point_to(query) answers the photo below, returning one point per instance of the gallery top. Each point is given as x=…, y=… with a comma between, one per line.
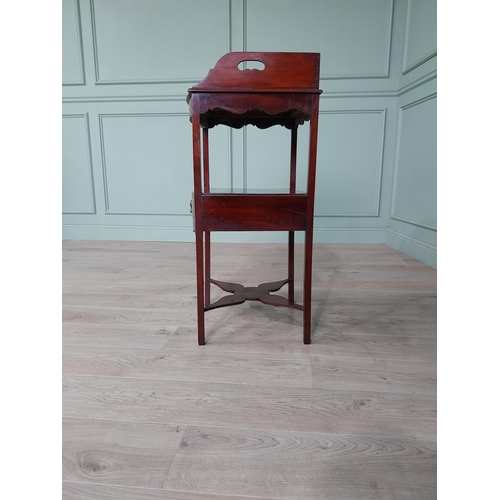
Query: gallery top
x=278, y=94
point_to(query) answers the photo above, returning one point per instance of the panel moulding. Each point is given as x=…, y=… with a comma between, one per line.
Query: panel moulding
x=432, y=75
x=82, y=80
x=376, y=211
x=124, y=98
x=382, y=112
x=345, y=94
x=407, y=68
x=420, y=62
x=359, y=76
x=419, y=101
x=395, y=216
x=414, y=222
x=103, y=159
x=93, y=211
x=146, y=81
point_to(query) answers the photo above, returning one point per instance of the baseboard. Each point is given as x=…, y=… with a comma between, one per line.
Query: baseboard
x=127, y=233
x=414, y=247
x=171, y=233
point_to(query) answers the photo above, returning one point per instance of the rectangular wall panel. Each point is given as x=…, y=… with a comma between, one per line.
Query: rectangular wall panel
x=72, y=53
x=349, y=168
x=267, y=157
x=421, y=33
x=152, y=41
x=415, y=189
x=352, y=36
x=77, y=177
x=147, y=163
x=220, y=150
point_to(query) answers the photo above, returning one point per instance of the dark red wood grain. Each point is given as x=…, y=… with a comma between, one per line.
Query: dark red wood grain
x=284, y=71
x=286, y=93
x=254, y=212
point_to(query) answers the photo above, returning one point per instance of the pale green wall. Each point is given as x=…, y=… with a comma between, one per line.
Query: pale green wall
x=412, y=226
x=127, y=165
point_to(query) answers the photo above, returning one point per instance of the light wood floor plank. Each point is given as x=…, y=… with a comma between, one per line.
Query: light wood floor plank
x=122, y=453
x=303, y=465
x=143, y=337
x=85, y=491
x=257, y=407
x=128, y=316
x=334, y=372
x=281, y=338
x=266, y=317
x=82, y=285
x=196, y=366
x=156, y=301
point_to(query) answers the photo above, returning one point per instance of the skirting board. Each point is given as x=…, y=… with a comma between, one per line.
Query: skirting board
x=418, y=249
x=176, y=233
x=126, y=233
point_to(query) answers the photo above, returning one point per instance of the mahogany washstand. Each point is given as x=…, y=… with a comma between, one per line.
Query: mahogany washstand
x=286, y=92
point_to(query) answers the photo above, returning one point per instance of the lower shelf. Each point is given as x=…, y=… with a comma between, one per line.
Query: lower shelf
x=262, y=293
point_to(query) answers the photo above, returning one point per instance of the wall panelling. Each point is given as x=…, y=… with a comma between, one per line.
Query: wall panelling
x=127, y=65
x=77, y=173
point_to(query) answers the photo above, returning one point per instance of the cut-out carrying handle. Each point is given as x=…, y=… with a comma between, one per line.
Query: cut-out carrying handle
x=282, y=70
x=251, y=65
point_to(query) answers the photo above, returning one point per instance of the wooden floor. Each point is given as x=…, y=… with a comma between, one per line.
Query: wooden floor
x=148, y=414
